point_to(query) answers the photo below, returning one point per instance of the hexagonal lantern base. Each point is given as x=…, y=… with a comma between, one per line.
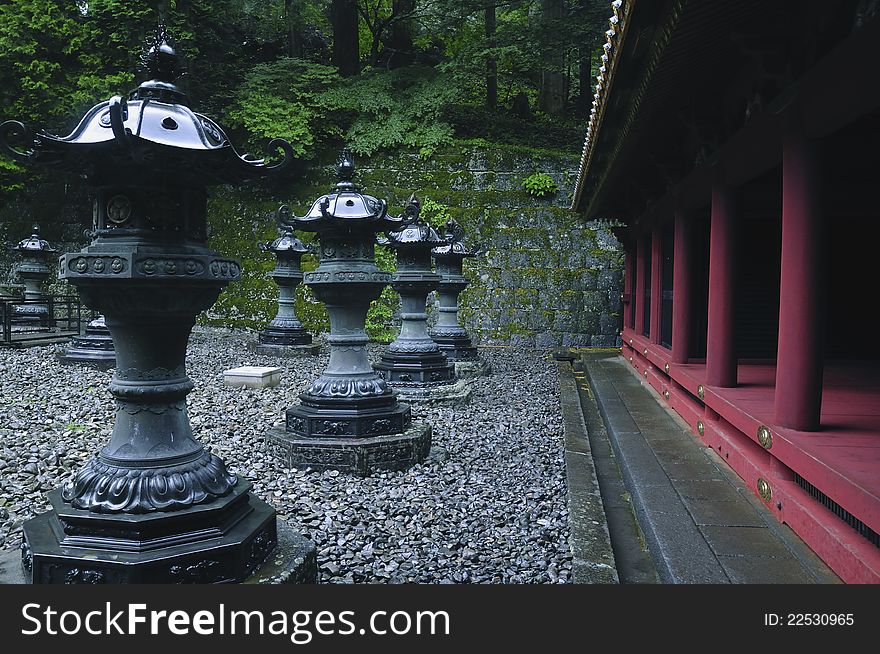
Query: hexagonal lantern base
x=454, y=394
x=294, y=561
x=355, y=455
x=222, y=541
x=274, y=350
x=281, y=336
x=95, y=348
x=469, y=369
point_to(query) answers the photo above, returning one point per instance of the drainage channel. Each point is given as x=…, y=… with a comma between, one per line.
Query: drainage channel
x=634, y=562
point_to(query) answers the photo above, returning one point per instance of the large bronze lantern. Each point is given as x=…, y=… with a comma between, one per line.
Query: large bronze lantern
x=413, y=363
x=154, y=505
x=349, y=419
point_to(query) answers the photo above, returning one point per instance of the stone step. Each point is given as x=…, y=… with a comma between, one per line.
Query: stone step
x=253, y=376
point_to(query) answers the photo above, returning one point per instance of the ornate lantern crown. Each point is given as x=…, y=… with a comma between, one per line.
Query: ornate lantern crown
x=286, y=243
x=345, y=208
x=417, y=232
x=455, y=246
x=34, y=244
x=154, y=131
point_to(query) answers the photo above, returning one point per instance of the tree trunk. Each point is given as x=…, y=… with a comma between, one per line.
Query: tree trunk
x=585, y=80
x=551, y=97
x=294, y=38
x=400, y=39
x=491, y=64
x=346, y=55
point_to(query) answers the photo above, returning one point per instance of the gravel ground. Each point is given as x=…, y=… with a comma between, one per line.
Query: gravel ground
x=493, y=512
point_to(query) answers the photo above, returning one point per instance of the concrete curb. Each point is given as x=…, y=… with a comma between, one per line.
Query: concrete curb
x=593, y=558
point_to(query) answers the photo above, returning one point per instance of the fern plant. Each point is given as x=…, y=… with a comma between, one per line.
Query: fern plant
x=539, y=185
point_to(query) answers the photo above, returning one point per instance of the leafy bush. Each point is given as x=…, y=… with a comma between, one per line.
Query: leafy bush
x=540, y=185
x=435, y=213
x=379, y=325
x=390, y=108
x=285, y=99
x=312, y=107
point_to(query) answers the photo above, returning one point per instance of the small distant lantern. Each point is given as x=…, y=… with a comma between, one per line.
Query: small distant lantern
x=413, y=363
x=285, y=334
x=33, y=270
x=453, y=339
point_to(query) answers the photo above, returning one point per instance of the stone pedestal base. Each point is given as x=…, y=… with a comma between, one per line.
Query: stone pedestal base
x=30, y=315
x=93, y=349
x=294, y=561
x=310, y=349
x=222, y=541
x=472, y=368
x=355, y=455
x=453, y=394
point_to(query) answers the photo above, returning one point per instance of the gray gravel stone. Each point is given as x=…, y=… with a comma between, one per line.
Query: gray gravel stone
x=494, y=511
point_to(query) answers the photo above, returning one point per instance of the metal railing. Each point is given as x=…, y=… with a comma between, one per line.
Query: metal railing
x=32, y=322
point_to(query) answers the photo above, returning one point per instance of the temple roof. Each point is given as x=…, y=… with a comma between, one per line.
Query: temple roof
x=681, y=77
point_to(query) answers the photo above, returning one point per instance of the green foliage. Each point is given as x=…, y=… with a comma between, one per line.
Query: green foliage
x=379, y=318
x=286, y=99
x=539, y=185
x=312, y=107
x=379, y=325
x=436, y=213
x=49, y=71
x=384, y=109
x=493, y=128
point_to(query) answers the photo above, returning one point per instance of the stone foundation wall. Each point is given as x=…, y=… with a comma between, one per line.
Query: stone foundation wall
x=548, y=278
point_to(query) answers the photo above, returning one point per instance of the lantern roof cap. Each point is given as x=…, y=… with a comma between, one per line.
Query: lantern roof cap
x=34, y=243
x=286, y=242
x=344, y=208
x=454, y=243
x=416, y=232
x=153, y=131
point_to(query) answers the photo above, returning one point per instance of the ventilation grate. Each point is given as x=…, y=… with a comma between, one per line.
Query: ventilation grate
x=863, y=529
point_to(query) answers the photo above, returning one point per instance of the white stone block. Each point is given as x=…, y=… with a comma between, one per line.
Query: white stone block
x=253, y=376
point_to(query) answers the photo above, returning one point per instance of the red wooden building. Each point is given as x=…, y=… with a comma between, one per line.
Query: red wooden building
x=739, y=144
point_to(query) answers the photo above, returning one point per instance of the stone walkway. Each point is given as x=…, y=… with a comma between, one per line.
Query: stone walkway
x=674, y=511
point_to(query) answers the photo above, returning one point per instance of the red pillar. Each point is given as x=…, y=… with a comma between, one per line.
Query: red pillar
x=720, y=348
x=629, y=273
x=639, y=297
x=681, y=289
x=656, y=284
x=800, y=355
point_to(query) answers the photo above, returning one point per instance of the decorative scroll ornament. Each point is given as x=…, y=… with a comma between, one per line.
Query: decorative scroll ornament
x=107, y=488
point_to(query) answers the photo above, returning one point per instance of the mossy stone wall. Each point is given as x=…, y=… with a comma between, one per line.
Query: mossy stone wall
x=548, y=278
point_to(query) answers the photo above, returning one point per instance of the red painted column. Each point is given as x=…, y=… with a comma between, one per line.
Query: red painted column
x=681, y=289
x=629, y=273
x=720, y=347
x=656, y=284
x=800, y=356
x=639, y=297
